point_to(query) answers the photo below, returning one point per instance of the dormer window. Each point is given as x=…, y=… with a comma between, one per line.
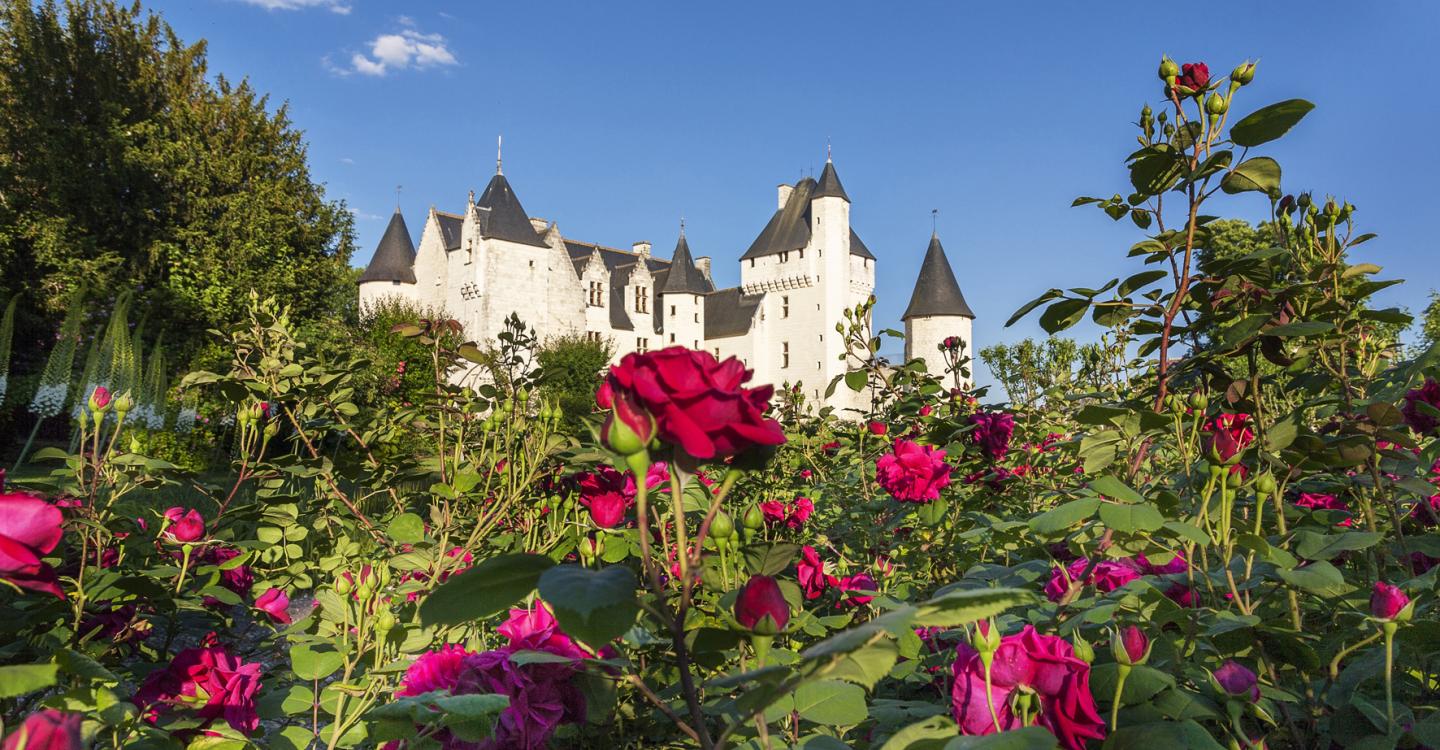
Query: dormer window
x=642, y=299
x=597, y=294
x=785, y=306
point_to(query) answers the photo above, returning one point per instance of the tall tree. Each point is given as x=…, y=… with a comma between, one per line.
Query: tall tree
x=123, y=166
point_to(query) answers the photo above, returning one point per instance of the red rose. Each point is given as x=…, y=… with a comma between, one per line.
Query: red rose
x=1422, y=418
x=761, y=607
x=1194, y=76
x=276, y=604
x=607, y=493
x=697, y=401
x=1387, y=601
x=184, y=525
x=877, y=428
x=913, y=473
x=47, y=729
x=208, y=680
x=1041, y=666
x=1230, y=435
x=29, y=530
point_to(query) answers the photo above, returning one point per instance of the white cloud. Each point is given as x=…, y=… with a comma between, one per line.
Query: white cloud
x=405, y=49
x=346, y=160
x=341, y=7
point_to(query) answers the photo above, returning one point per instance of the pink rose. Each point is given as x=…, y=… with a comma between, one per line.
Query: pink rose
x=698, y=402
x=857, y=585
x=811, y=572
x=30, y=528
x=761, y=607
x=1386, y=601
x=608, y=494
x=184, y=525
x=536, y=629
x=208, y=680
x=435, y=670
x=1105, y=576
x=913, y=473
x=1322, y=501
x=1027, y=663
x=100, y=399
x=276, y=604
x=47, y=729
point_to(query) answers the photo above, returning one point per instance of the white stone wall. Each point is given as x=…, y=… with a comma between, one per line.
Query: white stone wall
x=373, y=292
x=923, y=336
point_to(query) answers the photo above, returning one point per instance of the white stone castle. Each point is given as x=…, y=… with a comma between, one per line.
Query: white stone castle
x=803, y=270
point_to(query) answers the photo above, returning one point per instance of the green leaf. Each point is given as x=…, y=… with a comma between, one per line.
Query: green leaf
x=927, y=734
x=309, y=664
x=1268, y=123
x=1140, y=280
x=1032, y=304
x=1129, y=519
x=769, y=559
x=1260, y=173
x=1300, y=328
x=484, y=590
x=954, y=608
x=855, y=380
x=596, y=606
x=1183, y=735
x=1111, y=487
x=1063, y=516
x=1313, y=546
x=407, y=528
x=831, y=703
x=473, y=706
x=1319, y=578
x=19, y=679
x=1063, y=314
x=1026, y=738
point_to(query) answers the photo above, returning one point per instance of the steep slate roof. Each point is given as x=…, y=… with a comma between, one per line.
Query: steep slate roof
x=789, y=228
x=450, y=225
x=394, y=258
x=502, y=217
x=683, y=277
x=728, y=312
x=936, y=291
x=613, y=258
x=829, y=186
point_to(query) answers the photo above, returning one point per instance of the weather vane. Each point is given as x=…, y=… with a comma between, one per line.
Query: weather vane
x=934, y=221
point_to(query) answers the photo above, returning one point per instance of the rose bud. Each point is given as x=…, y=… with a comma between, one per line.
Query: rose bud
x=1130, y=646
x=1387, y=602
x=877, y=428
x=629, y=428
x=1237, y=682
x=124, y=403
x=1244, y=73
x=1216, y=104
x=1168, y=70
x=1083, y=650
x=48, y=729
x=184, y=525
x=760, y=607
x=100, y=399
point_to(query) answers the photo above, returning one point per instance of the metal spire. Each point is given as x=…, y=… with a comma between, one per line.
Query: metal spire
x=934, y=222
x=499, y=142
x=827, y=149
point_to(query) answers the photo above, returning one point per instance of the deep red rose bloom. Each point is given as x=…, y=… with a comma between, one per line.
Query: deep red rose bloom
x=1027, y=663
x=798, y=512
x=698, y=402
x=1238, y=681
x=1230, y=435
x=913, y=473
x=811, y=572
x=29, y=530
x=877, y=428
x=185, y=525
x=774, y=511
x=1387, y=601
x=1106, y=576
x=1135, y=644
x=1420, y=419
x=1322, y=501
x=608, y=494
x=276, y=604
x=761, y=607
x=831, y=448
x=208, y=680
x=855, y=585
x=1194, y=76
x=992, y=433
x=47, y=729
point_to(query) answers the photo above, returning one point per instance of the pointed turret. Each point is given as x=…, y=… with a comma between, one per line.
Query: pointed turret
x=683, y=276
x=936, y=294
x=829, y=185
x=394, y=259
x=501, y=215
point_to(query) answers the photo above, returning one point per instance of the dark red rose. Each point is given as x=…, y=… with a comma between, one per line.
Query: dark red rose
x=1421, y=419
x=1194, y=76
x=607, y=493
x=1230, y=435
x=698, y=402
x=761, y=607
x=992, y=433
x=1238, y=681
x=184, y=525
x=29, y=530
x=1386, y=601
x=47, y=729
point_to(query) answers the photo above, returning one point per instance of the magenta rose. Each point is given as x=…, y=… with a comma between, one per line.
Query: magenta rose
x=209, y=681
x=1238, y=681
x=30, y=528
x=47, y=729
x=184, y=525
x=992, y=433
x=913, y=473
x=1322, y=501
x=1386, y=601
x=811, y=572
x=774, y=512
x=276, y=604
x=1105, y=576
x=536, y=629
x=1133, y=646
x=1027, y=664
x=607, y=494
x=1421, y=419
x=1230, y=435
x=699, y=403
x=761, y=607
x=857, y=587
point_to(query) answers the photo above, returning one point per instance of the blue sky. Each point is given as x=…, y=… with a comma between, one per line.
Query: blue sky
x=620, y=118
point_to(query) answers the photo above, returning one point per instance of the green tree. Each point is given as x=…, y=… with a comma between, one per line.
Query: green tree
x=1030, y=368
x=123, y=166
x=570, y=368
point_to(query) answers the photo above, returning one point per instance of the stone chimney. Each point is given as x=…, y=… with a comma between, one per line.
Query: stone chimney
x=785, y=191
x=540, y=225
x=641, y=248
x=702, y=263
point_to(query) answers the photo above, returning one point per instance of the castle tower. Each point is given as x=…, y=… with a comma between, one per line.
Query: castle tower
x=391, y=272
x=682, y=299
x=937, y=311
x=830, y=210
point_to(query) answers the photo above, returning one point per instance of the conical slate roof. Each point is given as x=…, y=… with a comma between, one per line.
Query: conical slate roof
x=684, y=276
x=502, y=217
x=829, y=185
x=394, y=258
x=936, y=291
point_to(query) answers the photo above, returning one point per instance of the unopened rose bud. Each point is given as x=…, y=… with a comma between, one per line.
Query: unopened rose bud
x=1244, y=73
x=271, y=430
x=760, y=607
x=343, y=585
x=1331, y=208
x=1216, y=104
x=1168, y=70
x=754, y=518
x=1083, y=650
x=721, y=527
x=123, y=403
x=985, y=638
x=1265, y=484
x=100, y=399
x=385, y=622
x=629, y=428
x=1389, y=602
x=1130, y=646
x=1198, y=401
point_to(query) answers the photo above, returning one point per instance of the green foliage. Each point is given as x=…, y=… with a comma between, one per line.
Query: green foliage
x=570, y=369
x=1029, y=369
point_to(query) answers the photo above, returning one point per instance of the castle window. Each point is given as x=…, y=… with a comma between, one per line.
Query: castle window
x=597, y=294
x=592, y=336
x=672, y=310
x=642, y=299
x=752, y=262
x=672, y=338
x=802, y=253
x=395, y=283
x=697, y=317
x=785, y=354
x=785, y=256
x=785, y=306
x=642, y=344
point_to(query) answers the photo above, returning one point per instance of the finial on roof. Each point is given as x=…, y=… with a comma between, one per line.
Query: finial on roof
x=471, y=199
x=398, y=188
x=827, y=149
x=499, y=142
x=934, y=222
x=682, y=226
